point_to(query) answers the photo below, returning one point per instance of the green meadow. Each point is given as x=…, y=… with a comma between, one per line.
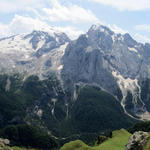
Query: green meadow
x=117, y=142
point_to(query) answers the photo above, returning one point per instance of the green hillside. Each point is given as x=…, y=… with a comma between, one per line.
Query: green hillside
x=117, y=142
x=43, y=104
x=93, y=112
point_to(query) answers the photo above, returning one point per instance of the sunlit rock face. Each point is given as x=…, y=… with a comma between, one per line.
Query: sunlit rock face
x=115, y=62
x=137, y=141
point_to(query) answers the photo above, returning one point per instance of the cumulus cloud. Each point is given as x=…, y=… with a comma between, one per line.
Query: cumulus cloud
x=117, y=29
x=54, y=10
x=72, y=32
x=72, y=12
x=138, y=37
x=21, y=24
x=131, y=5
x=3, y=30
x=9, y=6
x=50, y=11
x=141, y=38
x=143, y=27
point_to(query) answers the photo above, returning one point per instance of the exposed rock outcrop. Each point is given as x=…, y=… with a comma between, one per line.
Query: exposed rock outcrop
x=101, y=57
x=4, y=144
x=137, y=141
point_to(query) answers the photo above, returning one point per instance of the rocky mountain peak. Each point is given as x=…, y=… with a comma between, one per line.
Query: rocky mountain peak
x=99, y=57
x=100, y=28
x=129, y=40
x=46, y=37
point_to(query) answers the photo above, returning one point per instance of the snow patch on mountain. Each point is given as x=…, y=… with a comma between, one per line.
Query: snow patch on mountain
x=35, y=53
x=56, y=56
x=54, y=100
x=40, y=44
x=15, y=44
x=132, y=49
x=113, y=37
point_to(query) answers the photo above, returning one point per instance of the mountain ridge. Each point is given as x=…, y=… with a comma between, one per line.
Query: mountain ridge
x=99, y=56
x=70, y=78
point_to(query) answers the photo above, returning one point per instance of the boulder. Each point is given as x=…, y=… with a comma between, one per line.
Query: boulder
x=137, y=141
x=6, y=141
x=4, y=144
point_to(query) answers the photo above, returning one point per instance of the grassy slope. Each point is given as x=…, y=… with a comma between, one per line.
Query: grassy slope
x=20, y=148
x=76, y=145
x=147, y=147
x=117, y=142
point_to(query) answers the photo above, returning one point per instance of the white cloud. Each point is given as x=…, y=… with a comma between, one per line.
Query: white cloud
x=138, y=37
x=55, y=13
x=9, y=6
x=141, y=38
x=73, y=13
x=117, y=29
x=72, y=32
x=131, y=5
x=3, y=30
x=53, y=9
x=20, y=24
x=143, y=27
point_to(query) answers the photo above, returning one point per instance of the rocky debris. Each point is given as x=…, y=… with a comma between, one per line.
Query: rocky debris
x=4, y=144
x=137, y=141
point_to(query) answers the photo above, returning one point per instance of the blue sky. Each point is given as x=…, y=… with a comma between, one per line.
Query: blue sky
x=75, y=16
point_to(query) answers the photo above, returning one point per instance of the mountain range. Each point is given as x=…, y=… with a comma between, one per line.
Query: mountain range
x=70, y=87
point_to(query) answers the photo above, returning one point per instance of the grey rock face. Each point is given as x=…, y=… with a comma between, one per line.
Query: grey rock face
x=137, y=141
x=4, y=142
x=82, y=63
x=114, y=62
x=95, y=56
x=129, y=40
